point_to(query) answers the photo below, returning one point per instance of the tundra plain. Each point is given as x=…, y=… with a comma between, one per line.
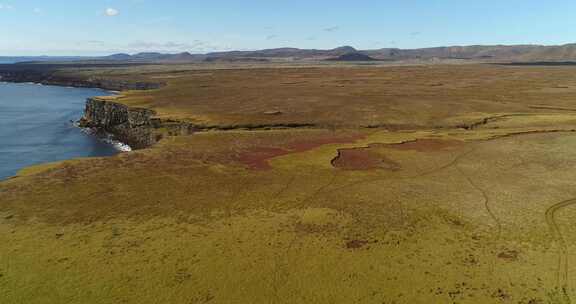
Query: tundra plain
x=328, y=184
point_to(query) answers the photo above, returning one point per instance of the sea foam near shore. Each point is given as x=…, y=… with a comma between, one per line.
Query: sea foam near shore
x=106, y=138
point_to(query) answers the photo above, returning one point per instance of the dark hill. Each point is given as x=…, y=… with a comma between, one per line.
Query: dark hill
x=120, y=56
x=352, y=57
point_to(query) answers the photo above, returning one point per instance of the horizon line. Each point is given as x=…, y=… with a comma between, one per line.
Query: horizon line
x=109, y=53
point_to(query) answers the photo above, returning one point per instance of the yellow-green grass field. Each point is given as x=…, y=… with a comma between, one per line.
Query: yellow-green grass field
x=422, y=212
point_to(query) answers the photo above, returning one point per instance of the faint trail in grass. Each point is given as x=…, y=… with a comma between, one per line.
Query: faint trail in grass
x=487, y=208
x=235, y=201
x=278, y=273
x=285, y=188
x=454, y=162
x=450, y=164
x=562, y=268
x=276, y=197
x=486, y=202
x=318, y=191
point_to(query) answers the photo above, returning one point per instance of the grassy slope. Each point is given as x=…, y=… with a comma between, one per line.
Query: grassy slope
x=194, y=220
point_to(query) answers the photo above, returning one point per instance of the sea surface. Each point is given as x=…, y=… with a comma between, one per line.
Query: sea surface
x=37, y=126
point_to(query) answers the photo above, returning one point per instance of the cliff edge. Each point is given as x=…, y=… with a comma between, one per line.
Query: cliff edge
x=137, y=127
x=133, y=126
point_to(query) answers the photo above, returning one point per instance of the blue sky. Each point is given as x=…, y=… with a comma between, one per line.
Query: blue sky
x=87, y=27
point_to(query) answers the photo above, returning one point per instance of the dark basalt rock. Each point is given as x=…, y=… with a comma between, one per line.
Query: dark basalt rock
x=133, y=126
x=136, y=127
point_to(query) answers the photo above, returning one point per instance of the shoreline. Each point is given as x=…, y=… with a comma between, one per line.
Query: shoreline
x=106, y=137
x=41, y=75
x=98, y=135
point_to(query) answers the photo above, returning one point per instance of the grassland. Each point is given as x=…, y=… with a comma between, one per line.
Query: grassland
x=422, y=184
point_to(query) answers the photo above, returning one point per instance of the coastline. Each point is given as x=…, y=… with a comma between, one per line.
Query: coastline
x=105, y=137
x=98, y=135
x=125, y=128
x=48, y=75
x=38, y=76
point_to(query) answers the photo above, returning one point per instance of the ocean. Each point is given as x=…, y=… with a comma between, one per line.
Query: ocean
x=37, y=126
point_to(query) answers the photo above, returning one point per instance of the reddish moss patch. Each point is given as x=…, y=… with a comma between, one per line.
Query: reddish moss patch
x=427, y=145
x=363, y=159
x=257, y=158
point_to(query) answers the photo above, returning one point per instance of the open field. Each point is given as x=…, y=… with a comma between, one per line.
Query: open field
x=419, y=184
x=352, y=96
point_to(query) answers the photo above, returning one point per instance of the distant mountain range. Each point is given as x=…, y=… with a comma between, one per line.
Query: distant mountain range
x=521, y=53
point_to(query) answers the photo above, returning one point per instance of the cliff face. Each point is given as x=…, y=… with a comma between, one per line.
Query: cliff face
x=133, y=126
x=136, y=127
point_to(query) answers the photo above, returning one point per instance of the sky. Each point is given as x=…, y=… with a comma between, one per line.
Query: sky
x=100, y=27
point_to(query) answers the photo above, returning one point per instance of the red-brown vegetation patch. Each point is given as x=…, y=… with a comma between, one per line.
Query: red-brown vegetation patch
x=356, y=244
x=427, y=145
x=363, y=159
x=256, y=158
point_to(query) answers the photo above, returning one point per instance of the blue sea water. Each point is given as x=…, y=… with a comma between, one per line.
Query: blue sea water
x=36, y=126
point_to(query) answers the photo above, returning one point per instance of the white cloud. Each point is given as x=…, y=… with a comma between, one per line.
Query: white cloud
x=6, y=6
x=37, y=10
x=111, y=12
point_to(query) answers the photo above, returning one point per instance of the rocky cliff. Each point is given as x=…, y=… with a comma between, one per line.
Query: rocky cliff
x=136, y=127
x=133, y=126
